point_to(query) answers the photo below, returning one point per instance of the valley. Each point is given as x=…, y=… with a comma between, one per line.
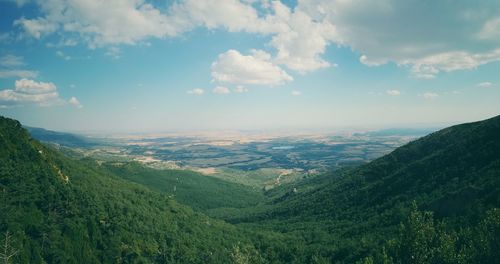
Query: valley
x=252, y=159
x=102, y=197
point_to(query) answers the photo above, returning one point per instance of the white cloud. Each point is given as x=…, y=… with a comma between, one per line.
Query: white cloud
x=113, y=22
x=491, y=29
x=33, y=87
x=36, y=27
x=430, y=96
x=232, y=15
x=221, y=90
x=298, y=39
x=484, y=84
x=296, y=93
x=31, y=92
x=100, y=23
x=428, y=67
x=196, y=91
x=73, y=101
x=11, y=61
x=369, y=62
x=17, y=73
x=240, y=89
x=448, y=37
x=10, y=67
x=234, y=68
x=393, y=92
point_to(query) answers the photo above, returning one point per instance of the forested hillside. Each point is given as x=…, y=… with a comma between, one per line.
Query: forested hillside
x=189, y=187
x=453, y=173
x=57, y=210
x=433, y=200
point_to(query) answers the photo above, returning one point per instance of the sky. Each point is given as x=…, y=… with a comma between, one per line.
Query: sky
x=151, y=66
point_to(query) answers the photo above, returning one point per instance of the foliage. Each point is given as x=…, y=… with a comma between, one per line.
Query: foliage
x=348, y=214
x=423, y=239
x=95, y=216
x=188, y=187
x=433, y=200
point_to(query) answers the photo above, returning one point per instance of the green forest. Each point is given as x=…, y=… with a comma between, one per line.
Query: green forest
x=433, y=200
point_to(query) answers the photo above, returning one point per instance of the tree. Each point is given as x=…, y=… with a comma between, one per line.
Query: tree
x=7, y=252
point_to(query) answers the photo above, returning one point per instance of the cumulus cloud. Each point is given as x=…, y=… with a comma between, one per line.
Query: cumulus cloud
x=430, y=96
x=484, y=84
x=100, y=23
x=221, y=90
x=32, y=92
x=11, y=67
x=298, y=39
x=451, y=36
x=17, y=73
x=38, y=27
x=296, y=93
x=11, y=61
x=73, y=101
x=32, y=87
x=428, y=67
x=196, y=91
x=257, y=68
x=393, y=92
x=232, y=15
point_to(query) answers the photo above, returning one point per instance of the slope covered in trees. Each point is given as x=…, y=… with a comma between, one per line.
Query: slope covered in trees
x=453, y=173
x=190, y=188
x=433, y=200
x=58, y=210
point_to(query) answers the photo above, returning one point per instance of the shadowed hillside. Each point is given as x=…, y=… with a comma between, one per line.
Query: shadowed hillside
x=58, y=210
x=453, y=173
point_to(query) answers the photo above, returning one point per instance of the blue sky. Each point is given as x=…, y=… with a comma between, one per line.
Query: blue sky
x=132, y=66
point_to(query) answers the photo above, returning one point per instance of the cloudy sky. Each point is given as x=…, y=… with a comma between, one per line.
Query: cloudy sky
x=138, y=65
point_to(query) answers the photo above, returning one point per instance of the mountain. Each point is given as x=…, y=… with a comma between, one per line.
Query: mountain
x=453, y=173
x=61, y=138
x=60, y=210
